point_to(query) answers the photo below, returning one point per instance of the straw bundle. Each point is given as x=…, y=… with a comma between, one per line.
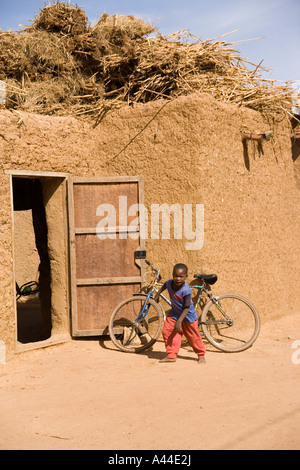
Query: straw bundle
x=62, y=18
x=60, y=65
x=117, y=29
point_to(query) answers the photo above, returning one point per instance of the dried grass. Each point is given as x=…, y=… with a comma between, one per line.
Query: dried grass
x=61, y=18
x=60, y=65
x=117, y=29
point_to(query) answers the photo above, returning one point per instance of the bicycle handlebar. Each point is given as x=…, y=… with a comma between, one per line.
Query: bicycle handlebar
x=158, y=276
x=152, y=267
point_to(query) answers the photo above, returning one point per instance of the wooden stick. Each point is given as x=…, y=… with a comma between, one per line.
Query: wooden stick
x=142, y=130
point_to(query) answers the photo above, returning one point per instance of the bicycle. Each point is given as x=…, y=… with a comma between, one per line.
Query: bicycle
x=26, y=289
x=229, y=322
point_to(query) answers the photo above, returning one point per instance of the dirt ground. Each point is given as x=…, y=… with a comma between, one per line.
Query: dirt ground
x=85, y=394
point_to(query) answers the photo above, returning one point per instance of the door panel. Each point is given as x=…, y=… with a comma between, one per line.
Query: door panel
x=103, y=269
x=95, y=304
x=105, y=258
x=86, y=194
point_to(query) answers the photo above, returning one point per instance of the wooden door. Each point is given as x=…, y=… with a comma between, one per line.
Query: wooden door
x=103, y=269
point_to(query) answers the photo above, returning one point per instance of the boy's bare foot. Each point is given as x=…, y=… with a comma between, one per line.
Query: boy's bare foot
x=167, y=359
x=201, y=360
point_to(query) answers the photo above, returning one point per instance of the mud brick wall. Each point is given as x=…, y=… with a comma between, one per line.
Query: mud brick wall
x=191, y=152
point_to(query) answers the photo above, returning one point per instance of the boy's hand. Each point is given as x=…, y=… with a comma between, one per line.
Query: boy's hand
x=156, y=297
x=177, y=326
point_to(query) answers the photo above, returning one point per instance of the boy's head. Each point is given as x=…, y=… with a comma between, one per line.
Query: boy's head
x=180, y=272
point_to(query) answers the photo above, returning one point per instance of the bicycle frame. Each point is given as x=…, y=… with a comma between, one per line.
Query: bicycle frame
x=201, y=288
x=146, y=305
x=214, y=300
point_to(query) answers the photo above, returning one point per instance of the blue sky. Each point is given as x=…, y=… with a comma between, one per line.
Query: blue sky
x=277, y=21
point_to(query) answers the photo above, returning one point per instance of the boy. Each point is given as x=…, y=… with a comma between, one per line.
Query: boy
x=182, y=319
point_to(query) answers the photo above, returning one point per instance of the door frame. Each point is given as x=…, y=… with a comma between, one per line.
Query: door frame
x=54, y=338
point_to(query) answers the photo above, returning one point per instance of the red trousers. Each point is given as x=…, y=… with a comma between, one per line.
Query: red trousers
x=173, y=339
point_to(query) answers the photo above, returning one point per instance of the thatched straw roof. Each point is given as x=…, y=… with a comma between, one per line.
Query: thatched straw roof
x=61, y=65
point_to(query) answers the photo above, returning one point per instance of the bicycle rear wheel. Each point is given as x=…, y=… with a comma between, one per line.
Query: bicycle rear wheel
x=134, y=326
x=236, y=334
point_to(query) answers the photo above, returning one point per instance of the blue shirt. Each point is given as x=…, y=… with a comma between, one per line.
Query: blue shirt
x=177, y=302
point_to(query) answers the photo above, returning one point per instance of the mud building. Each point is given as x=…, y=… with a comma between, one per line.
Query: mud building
x=195, y=148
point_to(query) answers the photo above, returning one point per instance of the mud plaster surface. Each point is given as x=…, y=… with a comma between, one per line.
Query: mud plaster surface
x=191, y=152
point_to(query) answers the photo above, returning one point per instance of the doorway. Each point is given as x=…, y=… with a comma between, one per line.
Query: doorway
x=40, y=234
x=32, y=262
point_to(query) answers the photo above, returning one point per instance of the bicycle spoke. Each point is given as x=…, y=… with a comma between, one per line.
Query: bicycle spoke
x=134, y=328
x=235, y=334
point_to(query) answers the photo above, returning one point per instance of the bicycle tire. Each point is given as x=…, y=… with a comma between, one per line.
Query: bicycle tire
x=130, y=337
x=231, y=338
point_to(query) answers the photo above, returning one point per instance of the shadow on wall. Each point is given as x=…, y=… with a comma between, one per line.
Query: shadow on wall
x=296, y=139
x=257, y=148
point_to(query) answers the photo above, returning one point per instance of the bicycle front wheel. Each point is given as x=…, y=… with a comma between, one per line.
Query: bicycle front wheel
x=135, y=325
x=230, y=322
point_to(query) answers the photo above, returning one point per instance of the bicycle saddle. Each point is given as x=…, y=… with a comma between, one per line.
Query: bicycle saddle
x=208, y=278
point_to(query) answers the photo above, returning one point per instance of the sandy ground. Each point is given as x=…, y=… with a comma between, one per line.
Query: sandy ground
x=87, y=395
